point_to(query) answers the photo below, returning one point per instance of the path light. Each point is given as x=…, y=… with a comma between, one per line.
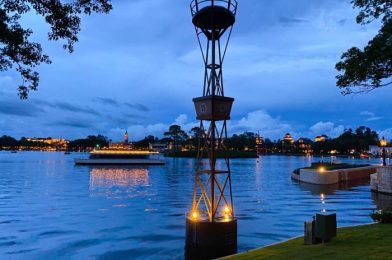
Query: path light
x=321, y=169
x=194, y=215
x=383, y=144
x=214, y=233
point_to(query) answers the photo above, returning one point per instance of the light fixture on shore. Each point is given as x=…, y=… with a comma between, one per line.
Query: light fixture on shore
x=321, y=169
x=194, y=215
x=383, y=144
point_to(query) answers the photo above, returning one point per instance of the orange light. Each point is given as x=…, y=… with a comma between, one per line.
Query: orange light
x=227, y=218
x=227, y=210
x=383, y=142
x=194, y=215
x=130, y=152
x=321, y=169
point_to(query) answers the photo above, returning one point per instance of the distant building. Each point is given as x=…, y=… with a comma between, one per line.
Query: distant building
x=305, y=145
x=259, y=144
x=288, y=144
x=122, y=145
x=288, y=138
x=377, y=150
x=52, y=143
x=320, y=138
x=159, y=147
x=126, y=137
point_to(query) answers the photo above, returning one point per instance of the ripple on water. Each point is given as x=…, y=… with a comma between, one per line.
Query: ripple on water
x=139, y=212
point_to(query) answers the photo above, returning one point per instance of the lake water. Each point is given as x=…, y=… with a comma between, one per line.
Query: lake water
x=50, y=208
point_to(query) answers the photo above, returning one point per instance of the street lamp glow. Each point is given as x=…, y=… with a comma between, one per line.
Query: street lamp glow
x=383, y=142
x=321, y=169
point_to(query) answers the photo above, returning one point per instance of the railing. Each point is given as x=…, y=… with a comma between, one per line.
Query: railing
x=231, y=5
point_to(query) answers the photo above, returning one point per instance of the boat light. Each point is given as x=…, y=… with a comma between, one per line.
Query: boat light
x=321, y=169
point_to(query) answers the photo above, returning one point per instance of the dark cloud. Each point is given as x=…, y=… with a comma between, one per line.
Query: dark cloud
x=70, y=107
x=138, y=106
x=72, y=122
x=107, y=101
x=342, y=22
x=17, y=107
x=288, y=20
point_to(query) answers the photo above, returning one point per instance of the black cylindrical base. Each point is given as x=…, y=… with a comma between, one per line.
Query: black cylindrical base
x=208, y=240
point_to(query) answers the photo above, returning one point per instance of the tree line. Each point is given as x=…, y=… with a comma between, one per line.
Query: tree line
x=350, y=141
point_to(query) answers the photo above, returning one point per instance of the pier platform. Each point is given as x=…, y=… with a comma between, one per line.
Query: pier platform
x=381, y=181
x=327, y=177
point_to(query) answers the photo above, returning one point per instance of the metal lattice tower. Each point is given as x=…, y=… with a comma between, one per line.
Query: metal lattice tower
x=212, y=197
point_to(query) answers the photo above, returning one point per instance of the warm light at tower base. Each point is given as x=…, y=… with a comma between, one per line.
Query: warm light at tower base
x=194, y=215
x=227, y=210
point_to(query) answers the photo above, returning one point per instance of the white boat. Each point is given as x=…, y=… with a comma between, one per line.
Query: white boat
x=121, y=157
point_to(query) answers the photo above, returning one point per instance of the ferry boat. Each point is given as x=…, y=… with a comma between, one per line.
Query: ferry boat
x=112, y=156
x=121, y=154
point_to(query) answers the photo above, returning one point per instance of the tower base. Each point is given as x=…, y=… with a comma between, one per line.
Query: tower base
x=208, y=240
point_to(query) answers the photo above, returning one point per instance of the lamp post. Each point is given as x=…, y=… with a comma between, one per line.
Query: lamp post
x=383, y=143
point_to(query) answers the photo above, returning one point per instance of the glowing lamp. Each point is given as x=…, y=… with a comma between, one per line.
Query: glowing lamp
x=227, y=210
x=383, y=142
x=194, y=215
x=321, y=169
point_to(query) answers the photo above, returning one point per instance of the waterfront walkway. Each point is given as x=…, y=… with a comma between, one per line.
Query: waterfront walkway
x=362, y=242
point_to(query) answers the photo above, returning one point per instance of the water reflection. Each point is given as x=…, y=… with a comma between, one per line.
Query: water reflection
x=114, y=180
x=317, y=190
x=382, y=201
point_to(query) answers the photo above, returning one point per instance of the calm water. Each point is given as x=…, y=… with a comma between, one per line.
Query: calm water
x=51, y=208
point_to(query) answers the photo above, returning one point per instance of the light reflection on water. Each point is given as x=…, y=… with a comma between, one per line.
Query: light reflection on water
x=51, y=208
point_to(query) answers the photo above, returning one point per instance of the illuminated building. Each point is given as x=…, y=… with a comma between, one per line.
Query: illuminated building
x=126, y=138
x=121, y=145
x=305, y=145
x=259, y=143
x=48, y=144
x=321, y=138
x=288, y=138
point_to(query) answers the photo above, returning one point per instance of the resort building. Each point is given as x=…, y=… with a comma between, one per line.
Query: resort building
x=49, y=143
x=320, y=138
x=288, y=144
x=121, y=145
x=377, y=150
x=305, y=145
x=288, y=138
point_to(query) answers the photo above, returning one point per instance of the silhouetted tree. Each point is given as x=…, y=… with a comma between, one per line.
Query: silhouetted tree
x=144, y=143
x=16, y=49
x=88, y=143
x=177, y=135
x=8, y=141
x=370, y=68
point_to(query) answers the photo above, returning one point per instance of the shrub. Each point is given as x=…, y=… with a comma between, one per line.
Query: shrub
x=382, y=216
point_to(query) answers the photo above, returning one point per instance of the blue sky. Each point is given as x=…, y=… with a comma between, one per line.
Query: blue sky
x=139, y=67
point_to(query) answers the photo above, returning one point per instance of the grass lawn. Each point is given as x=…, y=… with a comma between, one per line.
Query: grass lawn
x=363, y=242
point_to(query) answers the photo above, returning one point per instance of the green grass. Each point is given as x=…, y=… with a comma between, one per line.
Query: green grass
x=362, y=242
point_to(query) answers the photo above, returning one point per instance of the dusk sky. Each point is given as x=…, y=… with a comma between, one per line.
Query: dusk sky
x=139, y=67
